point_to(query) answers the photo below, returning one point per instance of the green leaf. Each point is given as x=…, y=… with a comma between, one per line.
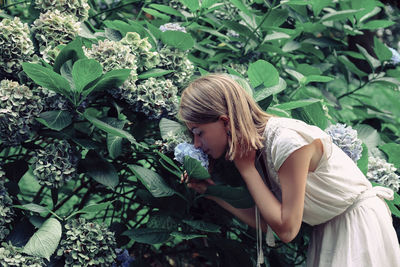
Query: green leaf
x=167, y=9
x=154, y=73
x=318, y=5
x=55, y=119
x=194, y=168
x=239, y=197
x=186, y=236
x=340, y=15
x=107, y=127
x=257, y=74
x=152, y=181
x=373, y=62
x=47, y=78
x=114, y=145
x=100, y=170
x=368, y=135
x=193, y=5
x=92, y=208
x=265, y=92
x=124, y=27
x=32, y=207
x=44, y=242
x=85, y=71
x=203, y=226
x=156, y=14
x=113, y=34
x=381, y=50
x=362, y=163
x=392, y=150
x=296, y=104
x=72, y=51
x=317, y=78
x=178, y=39
x=377, y=24
x=148, y=235
x=351, y=66
x=111, y=79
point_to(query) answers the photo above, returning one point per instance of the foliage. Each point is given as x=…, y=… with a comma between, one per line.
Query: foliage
x=88, y=123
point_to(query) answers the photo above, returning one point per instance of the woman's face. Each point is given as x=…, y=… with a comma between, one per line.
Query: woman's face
x=211, y=137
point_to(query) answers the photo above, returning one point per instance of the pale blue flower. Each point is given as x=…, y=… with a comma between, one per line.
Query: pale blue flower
x=172, y=27
x=186, y=149
x=123, y=258
x=346, y=138
x=395, y=56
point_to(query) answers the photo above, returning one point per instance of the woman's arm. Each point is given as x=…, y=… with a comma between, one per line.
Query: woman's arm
x=284, y=218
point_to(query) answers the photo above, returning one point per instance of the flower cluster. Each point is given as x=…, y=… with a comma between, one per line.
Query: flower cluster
x=13, y=256
x=78, y=8
x=171, y=140
x=52, y=100
x=382, y=172
x=395, y=56
x=18, y=110
x=141, y=48
x=172, y=27
x=346, y=138
x=54, y=165
x=15, y=45
x=155, y=97
x=6, y=211
x=176, y=60
x=185, y=149
x=123, y=258
x=52, y=29
x=227, y=11
x=87, y=244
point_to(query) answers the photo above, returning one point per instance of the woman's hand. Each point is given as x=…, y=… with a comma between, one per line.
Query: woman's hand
x=200, y=186
x=244, y=162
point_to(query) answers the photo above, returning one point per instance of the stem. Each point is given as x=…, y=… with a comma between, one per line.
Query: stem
x=353, y=91
x=112, y=9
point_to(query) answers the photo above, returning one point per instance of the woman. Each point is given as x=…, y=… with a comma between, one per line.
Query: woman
x=310, y=179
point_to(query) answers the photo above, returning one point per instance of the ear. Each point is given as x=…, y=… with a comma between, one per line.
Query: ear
x=225, y=120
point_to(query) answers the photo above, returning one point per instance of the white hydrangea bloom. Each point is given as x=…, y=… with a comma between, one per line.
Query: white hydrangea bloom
x=172, y=27
x=382, y=172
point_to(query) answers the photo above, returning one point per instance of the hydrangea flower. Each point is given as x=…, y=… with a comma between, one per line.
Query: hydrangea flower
x=176, y=60
x=15, y=45
x=155, y=97
x=346, y=138
x=54, y=165
x=123, y=258
x=87, y=244
x=18, y=110
x=172, y=27
x=395, y=56
x=77, y=8
x=186, y=149
x=52, y=29
x=382, y=172
x=6, y=212
x=13, y=256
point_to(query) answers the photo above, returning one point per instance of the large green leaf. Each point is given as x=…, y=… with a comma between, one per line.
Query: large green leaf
x=152, y=181
x=258, y=74
x=107, y=127
x=377, y=24
x=148, y=235
x=47, y=78
x=264, y=92
x=55, y=119
x=194, y=168
x=203, y=226
x=44, y=242
x=85, y=71
x=381, y=50
x=296, y=104
x=239, y=197
x=372, y=61
x=186, y=236
x=392, y=150
x=124, y=27
x=167, y=9
x=73, y=51
x=362, y=163
x=32, y=207
x=100, y=170
x=178, y=39
x=92, y=208
x=193, y=5
x=156, y=14
x=114, y=142
x=112, y=79
x=350, y=65
x=368, y=135
x=339, y=15
x=154, y=73
x=169, y=127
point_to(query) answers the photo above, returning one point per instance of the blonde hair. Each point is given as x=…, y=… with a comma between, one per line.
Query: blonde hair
x=213, y=95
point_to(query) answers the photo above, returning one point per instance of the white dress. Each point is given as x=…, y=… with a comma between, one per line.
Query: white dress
x=352, y=223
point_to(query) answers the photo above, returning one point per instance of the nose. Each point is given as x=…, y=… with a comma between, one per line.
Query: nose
x=196, y=142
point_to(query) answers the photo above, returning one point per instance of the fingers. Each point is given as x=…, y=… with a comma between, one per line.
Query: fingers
x=184, y=177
